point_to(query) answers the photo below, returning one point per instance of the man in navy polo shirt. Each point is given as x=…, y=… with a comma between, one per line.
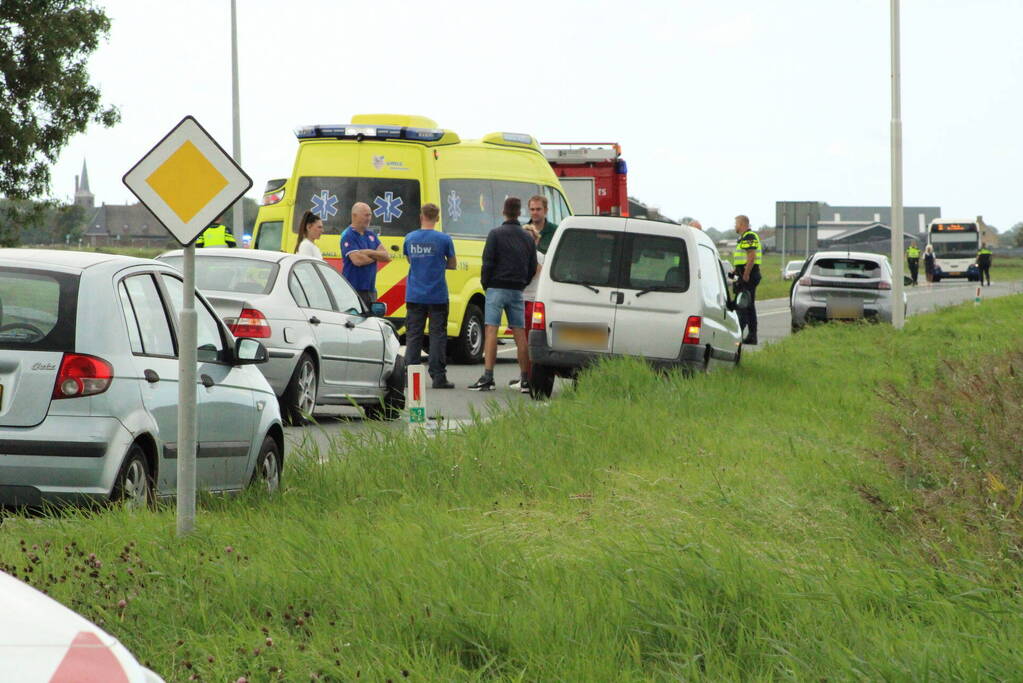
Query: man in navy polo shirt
x=362, y=250
x=429, y=254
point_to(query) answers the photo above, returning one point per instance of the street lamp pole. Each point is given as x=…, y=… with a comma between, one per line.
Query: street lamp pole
x=239, y=206
x=898, y=314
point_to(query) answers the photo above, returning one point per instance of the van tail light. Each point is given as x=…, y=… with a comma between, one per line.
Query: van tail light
x=884, y=284
x=805, y=281
x=693, y=326
x=539, y=318
x=82, y=375
x=249, y=323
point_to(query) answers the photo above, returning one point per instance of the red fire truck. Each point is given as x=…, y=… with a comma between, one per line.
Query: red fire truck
x=593, y=175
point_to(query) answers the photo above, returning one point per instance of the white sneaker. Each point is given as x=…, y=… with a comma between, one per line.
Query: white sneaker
x=515, y=382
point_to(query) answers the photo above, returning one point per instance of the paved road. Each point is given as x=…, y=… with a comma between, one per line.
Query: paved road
x=455, y=406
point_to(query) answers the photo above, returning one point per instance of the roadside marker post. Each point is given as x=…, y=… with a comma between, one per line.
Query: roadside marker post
x=415, y=397
x=186, y=180
x=976, y=299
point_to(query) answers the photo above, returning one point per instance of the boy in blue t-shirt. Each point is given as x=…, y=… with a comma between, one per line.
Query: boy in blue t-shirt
x=429, y=254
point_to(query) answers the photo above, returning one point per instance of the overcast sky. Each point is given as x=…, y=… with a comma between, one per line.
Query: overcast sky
x=721, y=107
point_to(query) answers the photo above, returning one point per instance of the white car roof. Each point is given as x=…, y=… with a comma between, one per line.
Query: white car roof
x=38, y=634
x=63, y=258
x=254, y=254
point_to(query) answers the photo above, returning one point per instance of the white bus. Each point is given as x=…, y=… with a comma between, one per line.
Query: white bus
x=955, y=244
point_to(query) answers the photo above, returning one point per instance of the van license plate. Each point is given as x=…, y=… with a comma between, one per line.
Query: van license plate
x=582, y=337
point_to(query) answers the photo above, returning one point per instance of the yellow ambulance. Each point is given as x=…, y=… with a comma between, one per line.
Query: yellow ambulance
x=396, y=163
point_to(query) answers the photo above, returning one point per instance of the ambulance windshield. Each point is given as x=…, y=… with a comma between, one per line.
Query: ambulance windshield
x=394, y=202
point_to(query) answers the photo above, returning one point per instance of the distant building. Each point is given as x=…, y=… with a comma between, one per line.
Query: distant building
x=875, y=238
x=125, y=224
x=820, y=223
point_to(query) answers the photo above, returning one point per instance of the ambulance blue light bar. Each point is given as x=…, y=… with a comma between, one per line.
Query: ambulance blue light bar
x=362, y=132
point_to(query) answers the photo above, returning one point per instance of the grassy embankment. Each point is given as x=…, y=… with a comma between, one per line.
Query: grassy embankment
x=777, y=521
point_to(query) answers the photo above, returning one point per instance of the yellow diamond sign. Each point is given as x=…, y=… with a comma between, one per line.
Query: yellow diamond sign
x=187, y=180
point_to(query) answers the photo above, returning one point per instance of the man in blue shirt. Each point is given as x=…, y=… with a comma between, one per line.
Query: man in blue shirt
x=361, y=250
x=429, y=254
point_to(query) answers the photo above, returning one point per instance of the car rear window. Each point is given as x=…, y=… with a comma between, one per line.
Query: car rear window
x=846, y=268
x=37, y=309
x=586, y=257
x=226, y=274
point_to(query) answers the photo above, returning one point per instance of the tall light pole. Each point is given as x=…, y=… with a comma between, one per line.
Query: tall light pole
x=239, y=206
x=898, y=314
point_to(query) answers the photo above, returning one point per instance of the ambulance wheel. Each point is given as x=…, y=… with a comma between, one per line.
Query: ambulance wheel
x=468, y=346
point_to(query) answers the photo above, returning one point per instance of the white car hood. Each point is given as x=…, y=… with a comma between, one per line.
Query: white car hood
x=43, y=641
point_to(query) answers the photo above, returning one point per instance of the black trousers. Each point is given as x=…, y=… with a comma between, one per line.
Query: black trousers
x=985, y=272
x=914, y=268
x=748, y=316
x=415, y=324
x=368, y=296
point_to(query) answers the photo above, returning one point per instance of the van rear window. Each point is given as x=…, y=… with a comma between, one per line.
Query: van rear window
x=37, y=310
x=586, y=257
x=394, y=202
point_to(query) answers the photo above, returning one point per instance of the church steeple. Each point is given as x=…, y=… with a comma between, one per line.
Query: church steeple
x=83, y=197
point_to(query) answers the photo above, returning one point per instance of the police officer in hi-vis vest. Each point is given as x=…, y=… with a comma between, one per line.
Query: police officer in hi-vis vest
x=746, y=261
x=216, y=234
x=913, y=258
x=984, y=263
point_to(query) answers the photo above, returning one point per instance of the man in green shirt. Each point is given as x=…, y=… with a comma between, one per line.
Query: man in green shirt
x=538, y=219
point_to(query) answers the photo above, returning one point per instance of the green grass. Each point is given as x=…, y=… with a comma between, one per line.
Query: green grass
x=739, y=525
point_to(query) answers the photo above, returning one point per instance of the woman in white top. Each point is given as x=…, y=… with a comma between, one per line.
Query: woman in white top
x=310, y=227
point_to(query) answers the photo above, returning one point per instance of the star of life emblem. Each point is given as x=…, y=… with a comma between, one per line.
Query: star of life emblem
x=454, y=206
x=388, y=207
x=324, y=205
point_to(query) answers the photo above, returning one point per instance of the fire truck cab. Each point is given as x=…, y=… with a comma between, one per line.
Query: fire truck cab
x=593, y=175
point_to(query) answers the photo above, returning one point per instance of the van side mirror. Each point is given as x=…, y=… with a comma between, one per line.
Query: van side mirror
x=249, y=352
x=907, y=280
x=378, y=309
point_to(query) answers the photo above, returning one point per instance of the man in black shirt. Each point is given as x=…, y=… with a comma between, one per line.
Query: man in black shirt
x=509, y=263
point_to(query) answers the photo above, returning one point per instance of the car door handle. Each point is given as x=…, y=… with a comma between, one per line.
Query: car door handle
x=151, y=376
x=349, y=324
x=206, y=380
x=314, y=320
x=617, y=297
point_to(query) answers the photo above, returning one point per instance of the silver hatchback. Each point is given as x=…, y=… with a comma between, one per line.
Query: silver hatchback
x=325, y=347
x=89, y=384
x=843, y=285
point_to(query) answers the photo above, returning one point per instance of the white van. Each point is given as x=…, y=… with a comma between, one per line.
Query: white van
x=614, y=286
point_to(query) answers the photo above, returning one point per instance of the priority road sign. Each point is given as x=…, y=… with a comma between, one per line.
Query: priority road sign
x=187, y=180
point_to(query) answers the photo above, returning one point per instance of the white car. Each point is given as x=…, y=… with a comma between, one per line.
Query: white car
x=614, y=286
x=42, y=641
x=791, y=269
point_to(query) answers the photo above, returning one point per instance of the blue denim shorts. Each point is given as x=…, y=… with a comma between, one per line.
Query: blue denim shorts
x=507, y=301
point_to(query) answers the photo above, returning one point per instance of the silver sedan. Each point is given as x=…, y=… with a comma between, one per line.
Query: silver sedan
x=325, y=347
x=89, y=384
x=843, y=285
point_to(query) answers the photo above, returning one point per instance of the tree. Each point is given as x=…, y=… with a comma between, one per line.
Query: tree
x=1016, y=235
x=44, y=87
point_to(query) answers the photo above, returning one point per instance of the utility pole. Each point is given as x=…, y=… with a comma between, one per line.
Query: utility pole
x=807, y=232
x=898, y=314
x=783, y=216
x=239, y=207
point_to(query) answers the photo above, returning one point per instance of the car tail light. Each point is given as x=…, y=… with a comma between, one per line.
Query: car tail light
x=693, y=326
x=249, y=323
x=539, y=319
x=82, y=375
x=884, y=284
x=805, y=281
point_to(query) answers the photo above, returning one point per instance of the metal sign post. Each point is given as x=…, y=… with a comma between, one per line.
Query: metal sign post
x=186, y=181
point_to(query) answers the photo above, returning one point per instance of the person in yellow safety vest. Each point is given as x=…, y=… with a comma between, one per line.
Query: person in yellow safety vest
x=746, y=261
x=913, y=258
x=216, y=234
x=984, y=263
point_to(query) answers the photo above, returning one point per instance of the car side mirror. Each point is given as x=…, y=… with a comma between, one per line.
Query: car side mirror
x=907, y=280
x=378, y=309
x=249, y=352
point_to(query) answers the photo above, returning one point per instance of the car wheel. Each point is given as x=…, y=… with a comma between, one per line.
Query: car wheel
x=468, y=347
x=134, y=485
x=393, y=401
x=269, y=464
x=299, y=397
x=541, y=381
